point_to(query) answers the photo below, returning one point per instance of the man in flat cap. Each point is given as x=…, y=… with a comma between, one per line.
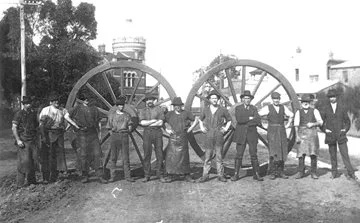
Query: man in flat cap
x=336, y=125
x=212, y=120
x=248, y=119
x=119, y=125
x=178, y=123
x=152, y=119
x=24, y=128
x=306, y=121
x=276, y=135
x=52, y=128
x=85, y=117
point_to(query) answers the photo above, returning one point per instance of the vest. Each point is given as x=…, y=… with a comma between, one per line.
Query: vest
x=274, y=117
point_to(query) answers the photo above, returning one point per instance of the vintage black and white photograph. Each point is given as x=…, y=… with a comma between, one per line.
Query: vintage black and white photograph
x=155, y=111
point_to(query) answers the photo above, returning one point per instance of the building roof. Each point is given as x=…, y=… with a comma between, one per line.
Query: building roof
x=314, y=87
x=346, y=64
x=332, y=62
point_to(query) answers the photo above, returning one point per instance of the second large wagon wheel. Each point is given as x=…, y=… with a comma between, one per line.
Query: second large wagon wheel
x=230, y=79
x=106, y=82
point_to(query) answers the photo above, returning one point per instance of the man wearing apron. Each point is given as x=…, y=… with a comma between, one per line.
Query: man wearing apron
x=306, y=121
x=177, y=161
x=276, y=135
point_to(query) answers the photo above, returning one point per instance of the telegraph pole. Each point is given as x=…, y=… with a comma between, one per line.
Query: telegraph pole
x=22, y=39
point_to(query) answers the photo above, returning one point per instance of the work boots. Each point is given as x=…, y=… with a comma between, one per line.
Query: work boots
x=314, y=167
x=255, y=165
x=280, y=168
x=301, y=168
x=271, y=171
x=237, y=170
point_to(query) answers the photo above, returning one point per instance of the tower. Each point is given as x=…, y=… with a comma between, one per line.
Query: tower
x=131, y=44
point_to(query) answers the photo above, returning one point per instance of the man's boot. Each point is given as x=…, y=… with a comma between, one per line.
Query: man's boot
x=255, y=165
x=314, y=167
x=301, y=168
x=46, y=177
x=281, y=166
x=271, y=173
x=237, y=170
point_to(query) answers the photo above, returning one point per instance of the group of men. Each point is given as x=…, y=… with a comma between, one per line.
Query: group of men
x=214, y=122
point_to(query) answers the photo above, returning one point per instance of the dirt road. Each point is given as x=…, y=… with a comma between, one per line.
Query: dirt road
x=305, y=200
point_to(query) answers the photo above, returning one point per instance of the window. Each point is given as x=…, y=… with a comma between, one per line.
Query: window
x=129, y=78
x=345, y=76
x=297, y=72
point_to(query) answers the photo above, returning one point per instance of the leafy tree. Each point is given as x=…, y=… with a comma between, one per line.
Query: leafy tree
x=63, y=54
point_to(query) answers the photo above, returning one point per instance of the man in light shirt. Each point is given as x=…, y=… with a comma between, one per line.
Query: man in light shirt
x=306, y=121
x=276, y=135
x=52, y=128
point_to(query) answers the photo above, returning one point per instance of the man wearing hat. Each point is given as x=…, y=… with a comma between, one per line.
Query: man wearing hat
x=306, y=121
x=336, y=125
x=276, y=135
x=85, y=117
x=52, y=127
x=212, y=120
x=177, y=122
x=247, y=118
x=24, y=128
x=119, y=125
x=152, y=119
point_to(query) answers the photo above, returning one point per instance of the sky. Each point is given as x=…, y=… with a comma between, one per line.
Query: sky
x=185, y=35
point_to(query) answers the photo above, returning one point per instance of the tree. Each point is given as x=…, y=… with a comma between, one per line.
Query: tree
x=63, y=54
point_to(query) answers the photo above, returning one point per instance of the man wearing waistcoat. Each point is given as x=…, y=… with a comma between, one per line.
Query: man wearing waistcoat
x=306, y=121
x=276, y=135
x=336, y=125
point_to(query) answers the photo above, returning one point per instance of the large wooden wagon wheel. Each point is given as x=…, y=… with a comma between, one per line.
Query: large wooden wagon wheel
x=106, y=82
x=230, y=79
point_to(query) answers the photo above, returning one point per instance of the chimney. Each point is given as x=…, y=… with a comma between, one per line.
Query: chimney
x=101, y=49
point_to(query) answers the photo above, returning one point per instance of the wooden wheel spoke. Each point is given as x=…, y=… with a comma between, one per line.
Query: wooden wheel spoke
x=105, y=138
x=136, y=87
x=108, y=85
x=267, y=95
x=153, y=88
x=98, y=95
x=138, y=133
x=220, y=93
x=263, y=74
x=263, y=140
x=162, y=101
x=140, y=100
x=136, y=148
x=202, y=98
x=243, y=78
x=103, y=111
x=122, y=80
x=228, y=142
x=231, y=86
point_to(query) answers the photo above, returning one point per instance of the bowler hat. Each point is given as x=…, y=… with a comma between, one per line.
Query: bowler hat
x=213, y=92
x=246, y=93
x=177, y=101
x=120, y=101
x=275, y=95
x=26, y=100
x=150, y=96
x=305, y=98
x=331, y=93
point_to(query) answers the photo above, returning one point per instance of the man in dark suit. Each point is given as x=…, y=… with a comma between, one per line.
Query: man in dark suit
x=336, y=125
x=247, y=118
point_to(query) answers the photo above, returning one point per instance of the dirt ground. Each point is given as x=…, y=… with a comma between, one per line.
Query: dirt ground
x=68, y=200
